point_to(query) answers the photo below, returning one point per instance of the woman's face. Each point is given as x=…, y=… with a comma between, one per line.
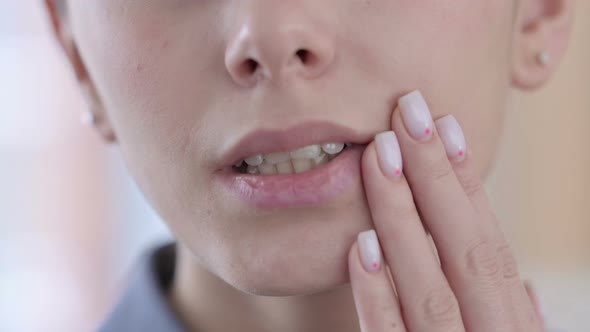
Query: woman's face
x=180, y=89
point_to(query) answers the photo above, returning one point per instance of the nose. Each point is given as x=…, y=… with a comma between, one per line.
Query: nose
x=278, y=44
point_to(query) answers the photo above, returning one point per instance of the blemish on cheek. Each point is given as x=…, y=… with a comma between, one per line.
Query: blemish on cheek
x=461, y=153
x=375, y=265
x=398, y=172
x=427, y=131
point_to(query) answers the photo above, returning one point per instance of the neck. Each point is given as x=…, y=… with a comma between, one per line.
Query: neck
x=207, y=303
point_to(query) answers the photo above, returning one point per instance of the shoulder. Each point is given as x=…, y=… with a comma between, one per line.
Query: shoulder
x=143, y=305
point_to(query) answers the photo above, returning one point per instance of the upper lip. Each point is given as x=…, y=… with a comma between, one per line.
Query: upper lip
x=269, y=140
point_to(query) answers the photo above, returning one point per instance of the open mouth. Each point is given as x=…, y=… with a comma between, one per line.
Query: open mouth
x=291, y=162
x=310, y=164
x=303, y=177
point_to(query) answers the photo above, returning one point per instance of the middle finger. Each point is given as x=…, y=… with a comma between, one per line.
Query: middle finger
x=425, y=296
x=467, y=249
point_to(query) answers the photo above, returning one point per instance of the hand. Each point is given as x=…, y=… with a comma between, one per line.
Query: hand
x=476, y=285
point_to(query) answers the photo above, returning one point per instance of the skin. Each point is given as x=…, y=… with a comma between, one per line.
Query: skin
x=476, y=286
x=156, y=77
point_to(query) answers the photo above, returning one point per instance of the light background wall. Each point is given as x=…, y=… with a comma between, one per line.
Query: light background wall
x=71, y=220
x=543, y=169
x=541, y=184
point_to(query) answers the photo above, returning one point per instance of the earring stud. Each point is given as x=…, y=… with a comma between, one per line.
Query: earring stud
x=88, y=118
x=544, y=58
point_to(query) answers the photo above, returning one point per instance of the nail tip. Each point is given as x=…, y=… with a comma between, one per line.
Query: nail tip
x=367, y=232
x=407, y=98
x=385, y=134
x=445, y=119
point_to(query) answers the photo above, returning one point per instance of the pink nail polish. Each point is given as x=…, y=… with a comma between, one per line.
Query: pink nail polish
x=389, y=154
x=452, y=137
x=369, y=250
x=416, y=116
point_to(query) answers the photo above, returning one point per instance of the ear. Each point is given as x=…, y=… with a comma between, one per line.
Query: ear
x=542, y=35
x=61, y=27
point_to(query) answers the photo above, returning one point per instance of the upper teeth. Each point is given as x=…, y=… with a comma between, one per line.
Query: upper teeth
x=313, y=155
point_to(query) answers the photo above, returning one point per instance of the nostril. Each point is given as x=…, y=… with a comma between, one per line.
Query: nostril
x=252, y=65
x=249, y=66
x=303, y=55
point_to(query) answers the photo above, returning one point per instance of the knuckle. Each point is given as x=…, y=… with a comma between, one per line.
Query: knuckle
x=403, y=219
x=437, y=169
x=381, y=323
x=383, y=318
x=405, y=211
x=483, y=261
x=508, y=262
x=441, y=308
x=472, y=185
x=387, y=307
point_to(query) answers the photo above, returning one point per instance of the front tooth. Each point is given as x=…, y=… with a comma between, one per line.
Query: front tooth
x=308, y=152
x=302, y=165
x=275, y=158
x=333, y=148
x=252, y=170
x=254, y=161
x=266, y=168
x=285, y=167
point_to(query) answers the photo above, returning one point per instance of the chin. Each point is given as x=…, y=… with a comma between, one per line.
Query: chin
x=277, y=284
x=295, y=254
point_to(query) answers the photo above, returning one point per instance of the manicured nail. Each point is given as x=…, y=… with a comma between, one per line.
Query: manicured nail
x=416, y=116
x=452, y=137
x=369, y=250
x=389, y=154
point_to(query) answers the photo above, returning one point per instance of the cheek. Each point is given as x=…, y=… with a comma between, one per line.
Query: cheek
x=458, y=54
x=476, y=71
x=146, y=80
x=144, y=59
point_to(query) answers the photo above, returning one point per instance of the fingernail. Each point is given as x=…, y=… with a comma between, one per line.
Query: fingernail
x=389, y=154
x=369, y=250
x=416, y=116
x=452, y=137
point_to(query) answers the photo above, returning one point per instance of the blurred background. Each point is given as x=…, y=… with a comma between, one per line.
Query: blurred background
x=72, y=221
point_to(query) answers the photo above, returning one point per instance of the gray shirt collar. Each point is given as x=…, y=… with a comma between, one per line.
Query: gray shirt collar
x=144, y=306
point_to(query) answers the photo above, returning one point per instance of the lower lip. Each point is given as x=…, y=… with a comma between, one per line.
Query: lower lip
x=316, y=187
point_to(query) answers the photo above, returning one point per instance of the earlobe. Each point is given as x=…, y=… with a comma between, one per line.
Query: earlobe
x=96, y=116
x=95, y=111
x=542, y=34
x=100, y=119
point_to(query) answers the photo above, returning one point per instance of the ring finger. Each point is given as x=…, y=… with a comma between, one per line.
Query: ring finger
x=426, y=298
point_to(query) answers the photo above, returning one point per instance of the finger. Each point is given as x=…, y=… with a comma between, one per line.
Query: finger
x=424, y=293
x=515, y=297
x=467, y=174
x=468, y=254
x=376, y=303
x=535, y=301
